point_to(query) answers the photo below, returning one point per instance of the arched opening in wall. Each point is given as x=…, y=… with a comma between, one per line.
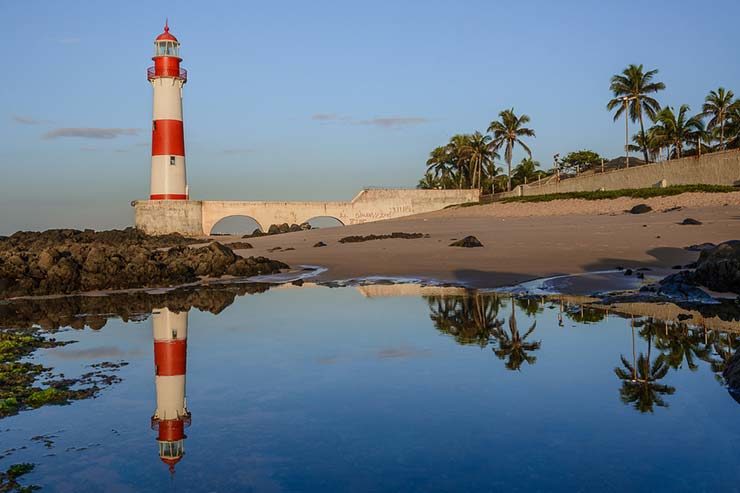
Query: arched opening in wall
x=324, y=222
x=235, y=225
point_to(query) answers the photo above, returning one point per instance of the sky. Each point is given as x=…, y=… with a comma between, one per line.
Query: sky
x=314, y=100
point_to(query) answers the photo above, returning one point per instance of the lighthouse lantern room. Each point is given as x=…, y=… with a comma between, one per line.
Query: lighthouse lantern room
x=168, y=178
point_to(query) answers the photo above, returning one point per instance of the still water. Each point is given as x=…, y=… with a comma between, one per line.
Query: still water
x=387, y=388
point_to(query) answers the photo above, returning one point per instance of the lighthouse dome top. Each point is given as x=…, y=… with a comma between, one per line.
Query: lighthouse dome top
x=166, y=36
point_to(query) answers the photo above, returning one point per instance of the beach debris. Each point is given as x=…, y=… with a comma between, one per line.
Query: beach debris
x=467, y=242
x=319, y=244
x=690, y=221
x=397, y=235
x=640, y=209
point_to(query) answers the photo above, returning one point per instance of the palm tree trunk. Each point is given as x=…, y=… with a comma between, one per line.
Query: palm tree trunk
x=642, y=135
x=508, y=163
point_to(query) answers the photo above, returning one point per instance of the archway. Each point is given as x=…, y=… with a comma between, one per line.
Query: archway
x=236, y=224
x=324, y=222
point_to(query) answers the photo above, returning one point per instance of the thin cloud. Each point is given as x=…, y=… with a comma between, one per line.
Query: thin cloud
x=327, y=117
x=237, y=150
x=28, y=120
x=394, y=121
x=384, y=122
x=91, y=133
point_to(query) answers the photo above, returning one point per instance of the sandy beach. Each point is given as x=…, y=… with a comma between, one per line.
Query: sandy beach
x=522, y=241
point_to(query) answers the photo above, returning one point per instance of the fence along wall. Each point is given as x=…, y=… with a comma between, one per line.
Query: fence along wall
x=718, y=168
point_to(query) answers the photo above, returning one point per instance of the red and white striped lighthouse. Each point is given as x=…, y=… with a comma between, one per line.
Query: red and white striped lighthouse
x=169, y=181
x=170, y=332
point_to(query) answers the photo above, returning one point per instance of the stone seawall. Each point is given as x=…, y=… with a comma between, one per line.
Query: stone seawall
x=719, y=168
x=199, y=217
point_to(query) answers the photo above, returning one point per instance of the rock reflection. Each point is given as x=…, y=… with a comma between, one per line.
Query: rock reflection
x=170, y=334
x=94, y=311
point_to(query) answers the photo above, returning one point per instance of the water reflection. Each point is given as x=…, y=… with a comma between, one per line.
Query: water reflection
x=473, y=319
x=170, y=333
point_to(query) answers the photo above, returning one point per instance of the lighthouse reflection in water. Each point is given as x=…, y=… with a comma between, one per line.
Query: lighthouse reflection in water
x=170, y=331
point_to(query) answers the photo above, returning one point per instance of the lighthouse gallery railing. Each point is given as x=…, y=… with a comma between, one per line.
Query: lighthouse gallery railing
x=181, y=74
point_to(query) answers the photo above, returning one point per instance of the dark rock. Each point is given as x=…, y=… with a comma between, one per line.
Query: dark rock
x=640, y=275
x=640, y=209
x=467, y=242
x=297, y=282
x=294, y=228
x=397, y=235
x=284, y=228
x=684, y=316
x=700, y=247
x=691, y=265
x=689, y=221
x=305, y=226
x=628, y=272
x=239, y=245
x=731, y=374
x=719, y=268
x=319, y=244
x=681, y=287
x=274, y=229
x=677, y=267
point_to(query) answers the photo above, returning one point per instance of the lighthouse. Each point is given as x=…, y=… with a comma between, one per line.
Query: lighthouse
x=170, y=331
x=168, y=179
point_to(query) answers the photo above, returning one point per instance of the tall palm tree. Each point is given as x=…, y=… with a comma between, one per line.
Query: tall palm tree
x=459, y=151
x=513, y=346
x=508, y=131
x=677, y=128
x=634, y=86
x=732, y=126
x=717, y=105
x=481, y=155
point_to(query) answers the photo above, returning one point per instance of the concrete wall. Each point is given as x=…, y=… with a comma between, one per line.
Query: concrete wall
x=199, y=217
x=719, y=168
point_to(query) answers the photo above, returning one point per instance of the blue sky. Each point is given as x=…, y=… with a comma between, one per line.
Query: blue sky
x=313, y=100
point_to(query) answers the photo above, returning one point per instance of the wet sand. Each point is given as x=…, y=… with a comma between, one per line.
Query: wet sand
x=522, y=241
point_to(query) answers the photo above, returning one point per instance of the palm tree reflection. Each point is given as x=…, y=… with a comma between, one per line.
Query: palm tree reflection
x=469, y=319
x=473, y=319
x=513, y=347
x=640, y=378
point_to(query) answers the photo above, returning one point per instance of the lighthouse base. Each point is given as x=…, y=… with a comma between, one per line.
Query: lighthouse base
x=159, y=217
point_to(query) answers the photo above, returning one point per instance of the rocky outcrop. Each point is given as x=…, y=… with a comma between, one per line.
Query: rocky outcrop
x=277, y=229
x=718, y=268
x=69, y=261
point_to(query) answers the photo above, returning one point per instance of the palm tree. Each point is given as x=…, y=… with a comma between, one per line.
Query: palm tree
x=631, y=90
x=513, y=346
x=677, y=129
x=717, y=105
x=481, y=156
x=526, y=170
x=439, y=161
x=732, y=127
x=508, y=131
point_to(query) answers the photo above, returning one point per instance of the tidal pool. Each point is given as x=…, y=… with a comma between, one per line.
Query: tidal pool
x=379, y=388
